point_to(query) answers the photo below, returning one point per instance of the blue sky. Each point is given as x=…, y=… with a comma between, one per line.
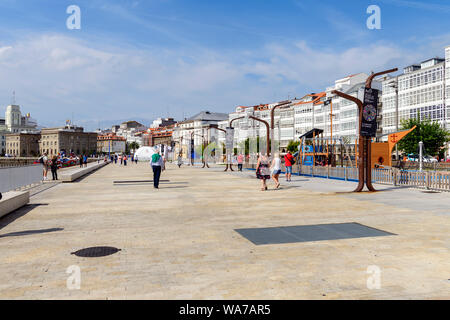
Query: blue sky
x=144, y=59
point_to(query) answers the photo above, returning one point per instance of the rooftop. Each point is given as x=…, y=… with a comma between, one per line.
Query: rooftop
x=208, y=116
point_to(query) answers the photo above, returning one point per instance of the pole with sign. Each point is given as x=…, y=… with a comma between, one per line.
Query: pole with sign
x=369, y=119
x=367, y=129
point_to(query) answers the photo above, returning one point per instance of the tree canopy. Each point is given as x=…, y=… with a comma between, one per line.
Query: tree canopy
x=429, y=132
x=293, y=146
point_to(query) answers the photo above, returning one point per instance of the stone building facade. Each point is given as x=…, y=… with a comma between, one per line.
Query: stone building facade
x=23, y=144
x=67, y=140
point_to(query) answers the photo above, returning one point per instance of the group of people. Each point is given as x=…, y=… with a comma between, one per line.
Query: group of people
x=123, y=159
x=83, y=160
x=49, y=163
x=266, y=170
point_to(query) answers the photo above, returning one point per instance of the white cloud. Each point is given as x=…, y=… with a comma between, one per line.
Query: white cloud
x=56, y=75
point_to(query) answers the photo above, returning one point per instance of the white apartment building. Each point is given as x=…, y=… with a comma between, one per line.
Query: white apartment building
x=299, y=116
x=306, y=113
x=345, y=112
x=162, y=122
x=248, y=128
x=131, y=131
x=421, y=92
x=447, y=92
x=196, y=128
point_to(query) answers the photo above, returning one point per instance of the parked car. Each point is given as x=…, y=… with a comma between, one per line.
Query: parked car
x=430, y=159
x=413, y=157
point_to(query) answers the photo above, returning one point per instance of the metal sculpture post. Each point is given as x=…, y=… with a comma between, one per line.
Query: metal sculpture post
x=364, y=149
x=267, y=133
x=211, y=126
x=215, y=126
x=272, y=122
x=203, y=143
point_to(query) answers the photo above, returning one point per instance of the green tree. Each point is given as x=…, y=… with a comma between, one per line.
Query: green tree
x=293, y=146
x=253, y=140
x=132, y=146
x=429, y=132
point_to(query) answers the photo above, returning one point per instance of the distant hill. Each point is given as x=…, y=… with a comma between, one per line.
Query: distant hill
x=91, y=125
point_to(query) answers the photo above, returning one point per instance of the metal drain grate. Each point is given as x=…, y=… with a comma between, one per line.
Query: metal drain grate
x=95, y=252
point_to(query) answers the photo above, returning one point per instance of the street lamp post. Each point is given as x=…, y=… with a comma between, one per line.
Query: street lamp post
x=395, y=86
x=267, y=134
x=214, y=126
x=203, y=143
x=272, y=122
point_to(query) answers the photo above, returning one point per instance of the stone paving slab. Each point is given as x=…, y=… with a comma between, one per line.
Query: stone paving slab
x=178, y=242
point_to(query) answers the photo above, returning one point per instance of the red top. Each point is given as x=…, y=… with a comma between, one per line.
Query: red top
x=288, y=160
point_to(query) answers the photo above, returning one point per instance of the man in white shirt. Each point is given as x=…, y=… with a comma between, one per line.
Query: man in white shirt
x=44, y=161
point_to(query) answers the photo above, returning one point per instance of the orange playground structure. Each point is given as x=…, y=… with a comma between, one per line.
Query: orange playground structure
x=315, y=150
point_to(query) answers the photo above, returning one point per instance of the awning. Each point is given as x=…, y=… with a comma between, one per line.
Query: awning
x=311, y=134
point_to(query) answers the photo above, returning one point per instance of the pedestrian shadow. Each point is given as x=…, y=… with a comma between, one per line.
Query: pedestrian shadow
x=180, y=182
x=376, y=191
x=13, y=216
x=119, y=182
x=175, y=187
x=30, y=232
x=283, y=188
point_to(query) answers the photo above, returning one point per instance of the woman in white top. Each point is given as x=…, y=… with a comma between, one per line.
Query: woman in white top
x=276, y=169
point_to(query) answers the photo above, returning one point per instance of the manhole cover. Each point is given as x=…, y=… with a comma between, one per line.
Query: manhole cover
x=95, y=252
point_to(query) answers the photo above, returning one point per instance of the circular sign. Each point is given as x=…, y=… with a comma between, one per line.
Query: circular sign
x=369, y=113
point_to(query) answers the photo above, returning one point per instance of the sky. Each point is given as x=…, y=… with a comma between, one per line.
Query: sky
x=144, y=59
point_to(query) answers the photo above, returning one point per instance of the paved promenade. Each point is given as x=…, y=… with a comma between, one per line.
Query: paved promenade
x=179, y=242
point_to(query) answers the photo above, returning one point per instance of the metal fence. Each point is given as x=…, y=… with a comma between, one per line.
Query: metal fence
x=16, y=162
x=13, y=178
x=432, y=180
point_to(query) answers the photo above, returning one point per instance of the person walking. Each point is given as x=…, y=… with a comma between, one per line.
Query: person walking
x=263, y=171
x=121, y=159
x=125, y=160
x=136, y=159
x=180, y=160
x=240, y=161
x=44, y=161
x=54, y=167
x=276, y=169
x=157, y=164
x=81, y=160
x=288, y=162
x=85, y=160
x=115, y=158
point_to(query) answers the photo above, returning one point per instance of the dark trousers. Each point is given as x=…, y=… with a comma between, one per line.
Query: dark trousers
x=240, y=166
x=156, y=175
x=55, y=173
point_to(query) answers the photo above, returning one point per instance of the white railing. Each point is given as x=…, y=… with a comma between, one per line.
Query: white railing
x=439, y=180
x=14, y=178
